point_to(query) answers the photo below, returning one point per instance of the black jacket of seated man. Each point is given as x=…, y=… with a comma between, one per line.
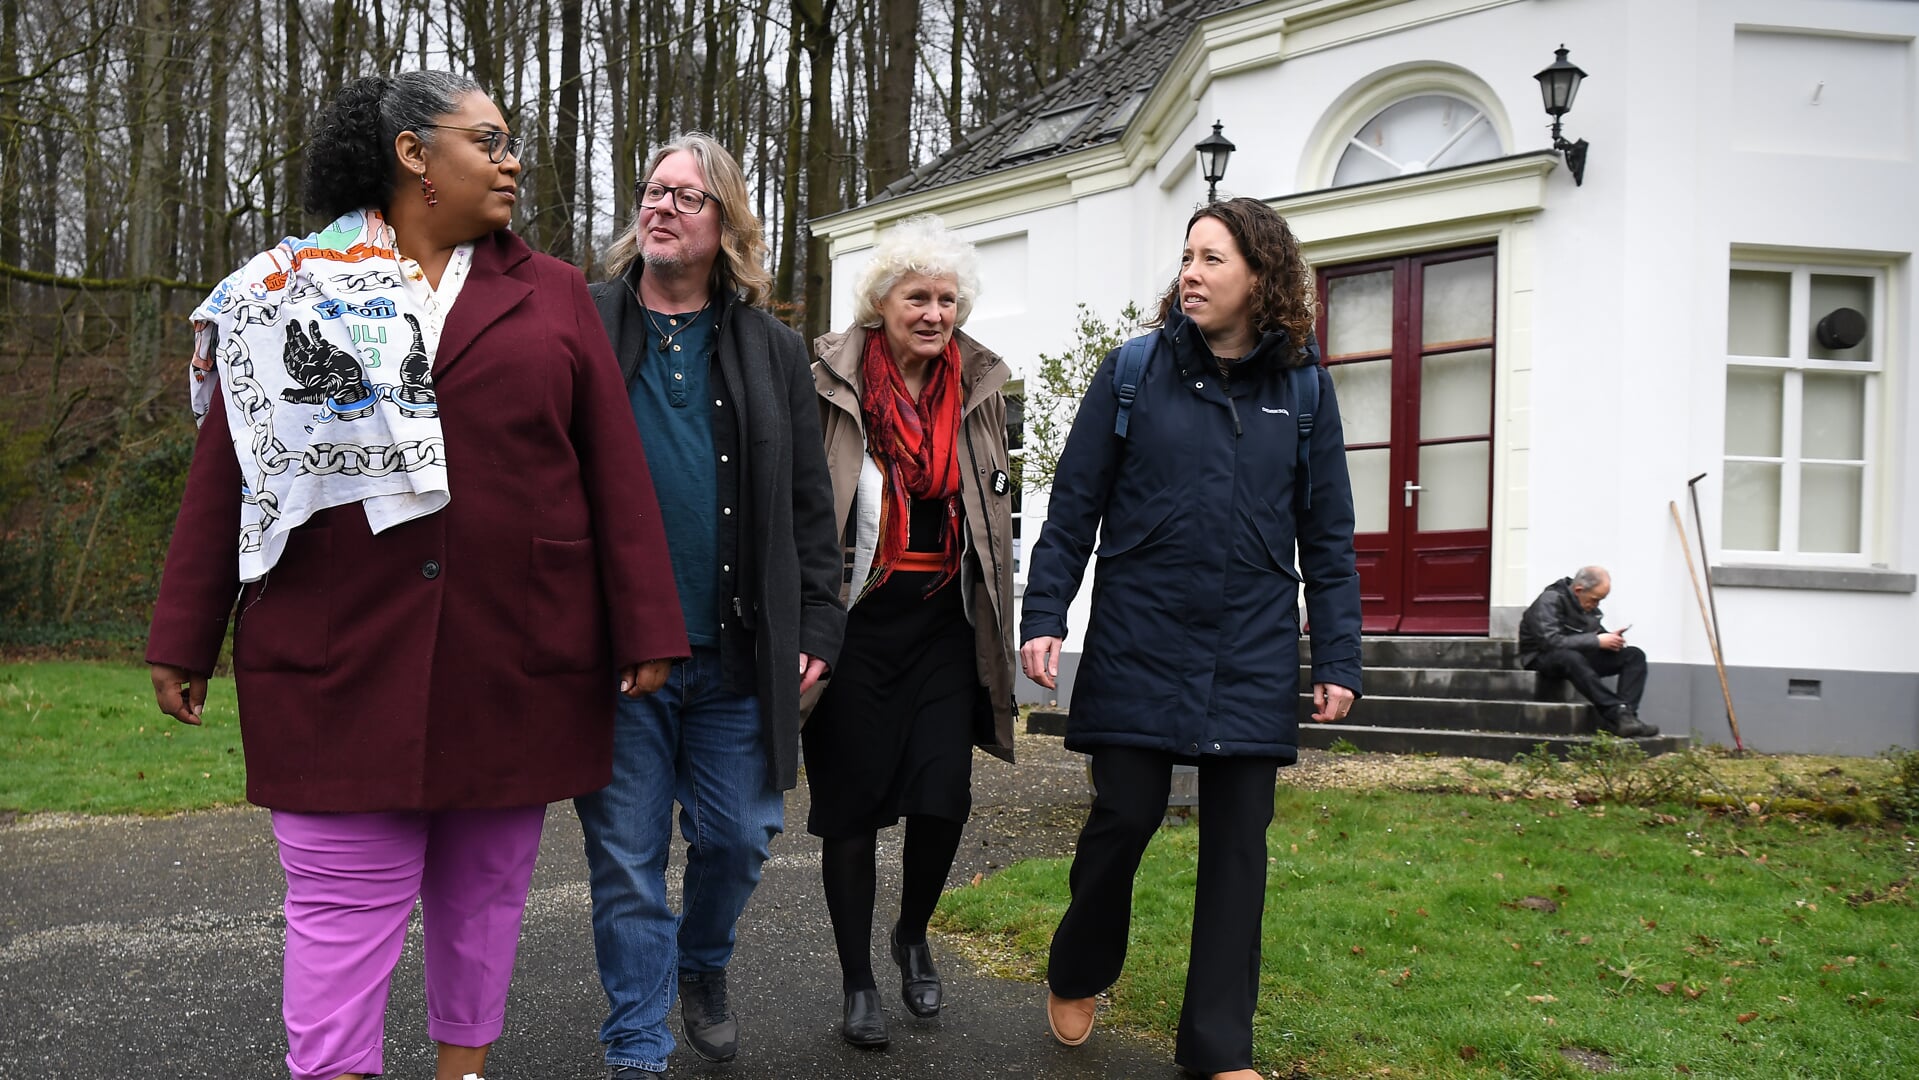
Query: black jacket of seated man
x=1560, y=638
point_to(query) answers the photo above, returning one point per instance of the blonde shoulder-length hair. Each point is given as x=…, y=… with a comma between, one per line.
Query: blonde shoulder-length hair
x=741, y=265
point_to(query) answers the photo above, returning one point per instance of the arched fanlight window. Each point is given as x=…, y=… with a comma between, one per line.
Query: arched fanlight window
x=1417, y=134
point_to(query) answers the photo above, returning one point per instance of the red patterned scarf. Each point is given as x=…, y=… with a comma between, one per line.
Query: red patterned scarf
x=916, y=445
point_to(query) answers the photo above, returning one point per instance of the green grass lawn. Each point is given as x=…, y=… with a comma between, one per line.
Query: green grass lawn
x=1463, y=936
x=89, y=738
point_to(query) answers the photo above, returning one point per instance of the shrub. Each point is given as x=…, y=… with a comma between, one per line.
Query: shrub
x=1900, y=800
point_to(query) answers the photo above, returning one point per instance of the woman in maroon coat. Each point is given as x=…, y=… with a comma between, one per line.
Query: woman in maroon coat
x=441, y=557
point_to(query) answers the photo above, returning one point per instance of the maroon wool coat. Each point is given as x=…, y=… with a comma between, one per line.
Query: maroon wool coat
x=465, y=659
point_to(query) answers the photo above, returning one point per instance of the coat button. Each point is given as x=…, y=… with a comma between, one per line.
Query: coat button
x=829, y=393
x=1215, y=746
x=728, y=511
x=429, y=569
x=1193, y=749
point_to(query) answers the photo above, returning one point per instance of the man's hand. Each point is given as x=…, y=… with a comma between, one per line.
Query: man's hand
x=1612, y=642
x=1331, y=702
x=180, y=694
x=812, y=670
x=639, y=680
x=1039, y=658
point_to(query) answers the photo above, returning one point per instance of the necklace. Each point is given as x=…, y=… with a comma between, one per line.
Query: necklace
x=666, y=339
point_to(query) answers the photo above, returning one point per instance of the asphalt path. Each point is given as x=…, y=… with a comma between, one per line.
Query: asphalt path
x=150, y=947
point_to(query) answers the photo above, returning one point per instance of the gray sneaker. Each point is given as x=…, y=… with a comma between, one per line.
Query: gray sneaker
x=711, y=1029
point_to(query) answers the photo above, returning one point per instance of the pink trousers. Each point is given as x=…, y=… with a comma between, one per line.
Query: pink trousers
x=352, y=880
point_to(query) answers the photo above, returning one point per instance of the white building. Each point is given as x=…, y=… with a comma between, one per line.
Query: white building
x=1530, y=369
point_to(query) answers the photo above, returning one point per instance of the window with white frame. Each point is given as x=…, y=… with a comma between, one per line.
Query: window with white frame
x=1805, y=359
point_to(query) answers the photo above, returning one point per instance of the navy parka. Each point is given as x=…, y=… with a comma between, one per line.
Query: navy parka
x=1193, y=646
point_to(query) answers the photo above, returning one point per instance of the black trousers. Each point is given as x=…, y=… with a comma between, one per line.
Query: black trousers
x=1584, y=668
x=1222, y=971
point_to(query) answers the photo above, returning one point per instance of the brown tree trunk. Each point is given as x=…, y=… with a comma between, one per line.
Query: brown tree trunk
x=793, y=161
x=665, y=70
x=12, y=148
x=889, y=116
x=294, y=106
x=537, y=211
x=566, y=133
x=955, y=123
x=815, y=18
x=613, y=19
x=216, y=249
x=333, y=64
x=709, y=67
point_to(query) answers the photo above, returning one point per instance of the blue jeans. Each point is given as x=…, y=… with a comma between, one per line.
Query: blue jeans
x=693, y=742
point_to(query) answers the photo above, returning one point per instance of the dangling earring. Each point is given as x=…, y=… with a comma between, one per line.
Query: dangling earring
x=426, y=188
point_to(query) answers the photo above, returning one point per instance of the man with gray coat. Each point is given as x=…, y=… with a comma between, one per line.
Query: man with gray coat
x=723, y=395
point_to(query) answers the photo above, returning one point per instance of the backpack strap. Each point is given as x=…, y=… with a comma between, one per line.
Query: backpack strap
x=1305, y=404
x=1127, y=373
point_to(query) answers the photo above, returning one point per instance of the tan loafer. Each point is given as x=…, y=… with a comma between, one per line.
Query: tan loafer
x=1070, y=1018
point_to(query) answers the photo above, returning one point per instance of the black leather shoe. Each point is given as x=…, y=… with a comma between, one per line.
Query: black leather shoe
x=711, y=1029
x=1627, y=724
x=865, y=1024
x=919, y=980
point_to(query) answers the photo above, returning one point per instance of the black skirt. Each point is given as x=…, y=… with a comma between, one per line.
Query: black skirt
x=892, y=735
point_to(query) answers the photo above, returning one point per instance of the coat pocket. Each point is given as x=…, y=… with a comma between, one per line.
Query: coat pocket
x=284, y=617
x=1277, y=545
x=1134, y=526
x=565, y=628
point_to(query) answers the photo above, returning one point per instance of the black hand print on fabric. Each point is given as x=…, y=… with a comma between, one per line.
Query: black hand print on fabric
x=322, y=369
x=415, y=394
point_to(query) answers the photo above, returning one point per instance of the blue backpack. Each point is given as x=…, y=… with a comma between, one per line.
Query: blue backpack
x=1131, y=368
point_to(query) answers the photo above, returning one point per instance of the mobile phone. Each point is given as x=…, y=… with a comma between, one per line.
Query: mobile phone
x=1622, y=630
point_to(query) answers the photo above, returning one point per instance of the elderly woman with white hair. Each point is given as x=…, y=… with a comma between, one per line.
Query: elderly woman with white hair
x=915, y=431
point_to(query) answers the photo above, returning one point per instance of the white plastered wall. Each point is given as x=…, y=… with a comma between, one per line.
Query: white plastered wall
x=1611, y=379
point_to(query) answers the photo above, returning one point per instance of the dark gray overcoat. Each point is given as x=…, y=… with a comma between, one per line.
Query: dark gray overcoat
x=790, y=557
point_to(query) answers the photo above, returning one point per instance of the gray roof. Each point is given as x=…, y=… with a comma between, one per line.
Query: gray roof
x=1107, y=83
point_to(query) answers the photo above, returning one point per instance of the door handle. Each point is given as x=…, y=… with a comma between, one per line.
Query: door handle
x=1410, y=488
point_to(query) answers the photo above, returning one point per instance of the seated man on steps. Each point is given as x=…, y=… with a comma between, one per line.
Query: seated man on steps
x=1561, y=636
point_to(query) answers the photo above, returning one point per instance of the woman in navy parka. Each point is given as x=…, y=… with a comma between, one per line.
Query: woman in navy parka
x=1192, y=653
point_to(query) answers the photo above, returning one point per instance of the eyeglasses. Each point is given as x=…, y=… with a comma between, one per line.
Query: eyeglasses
x=687, y=200
x=498, y=143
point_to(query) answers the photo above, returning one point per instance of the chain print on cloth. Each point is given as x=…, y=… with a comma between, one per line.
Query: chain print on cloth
x=250, y=399
x=318, y=417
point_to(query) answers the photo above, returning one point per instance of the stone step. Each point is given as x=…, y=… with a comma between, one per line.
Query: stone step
x=1492, y=745
x=1457, y=682
x=1431, y=652
x=1531, y=718
x=1046, y=722
x=1526, y=719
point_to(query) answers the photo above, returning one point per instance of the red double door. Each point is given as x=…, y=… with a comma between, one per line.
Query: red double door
x=1409, y=342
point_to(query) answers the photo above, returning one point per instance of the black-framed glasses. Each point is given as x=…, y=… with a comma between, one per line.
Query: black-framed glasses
x=498, y=143
x=687, y=200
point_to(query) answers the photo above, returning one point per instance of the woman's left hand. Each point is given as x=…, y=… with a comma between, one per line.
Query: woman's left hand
x=812, y=670
x=639, y=680
x=1331, y=702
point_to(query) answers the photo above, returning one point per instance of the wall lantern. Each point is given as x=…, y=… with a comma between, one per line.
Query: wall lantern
x=1214, y=150
x=1558, y=85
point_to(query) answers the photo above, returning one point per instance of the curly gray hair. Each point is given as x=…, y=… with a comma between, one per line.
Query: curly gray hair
x=921, y=244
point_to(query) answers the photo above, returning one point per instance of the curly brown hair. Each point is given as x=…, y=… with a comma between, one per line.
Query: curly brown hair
x=1283, y=292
